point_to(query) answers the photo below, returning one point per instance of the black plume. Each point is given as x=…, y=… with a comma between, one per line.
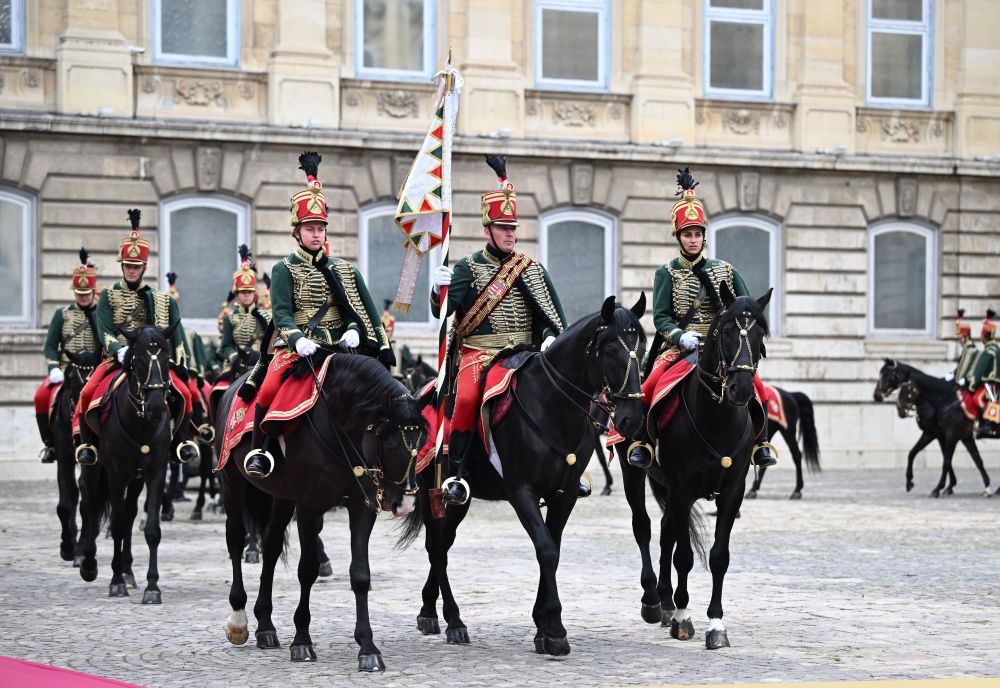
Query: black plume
x=229, y=299
x=133, y=216
x=245, y=253
x=990, y=313
x=685, y=181
x=961, y=312
x=309, y=163
x=267, y=280
x=171, y=278
x=84, y=257
x=498, y=163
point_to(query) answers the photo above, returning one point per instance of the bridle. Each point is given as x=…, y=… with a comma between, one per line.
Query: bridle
x=889, y=381
x=737, y=364
x=137, y=396
x=906, y=402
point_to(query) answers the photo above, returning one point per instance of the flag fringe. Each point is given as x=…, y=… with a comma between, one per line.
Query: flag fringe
x=401, y=307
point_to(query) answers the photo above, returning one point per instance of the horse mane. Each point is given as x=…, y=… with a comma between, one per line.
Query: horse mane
x=928, y=383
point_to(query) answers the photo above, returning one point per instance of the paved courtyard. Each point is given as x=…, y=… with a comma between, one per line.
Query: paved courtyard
x=859, y=580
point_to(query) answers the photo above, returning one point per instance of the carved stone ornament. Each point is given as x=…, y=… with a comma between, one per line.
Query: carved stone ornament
x=149, y=84
x=31, y=78
x=899, y=130
x=531, y=106
x=741, y=122
x=573, y=114
x=351, y=98
x=906, y=197
x=246, y=90
x=397, y=103
x=583, y=184
x=201, y=93
x=749, y=190
x=209, y=168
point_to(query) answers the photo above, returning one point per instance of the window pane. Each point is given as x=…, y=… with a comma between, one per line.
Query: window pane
x=193, y=27
x=11, y=258
x=385, y=256
x=737, y=59
x=6, y=22
x=577, y=266
x=749, y=250
x=739, y=4
x=897, y=66
x=570, y=45
x=907, y=10
x=201, y=245
x=900, y=281
x=394, y=34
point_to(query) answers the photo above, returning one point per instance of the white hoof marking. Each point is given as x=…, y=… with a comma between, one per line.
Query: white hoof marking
x=680, y=615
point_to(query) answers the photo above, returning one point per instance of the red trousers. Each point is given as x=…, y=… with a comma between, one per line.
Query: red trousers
x=43, y=396
x=469, y=390
x=101, y=373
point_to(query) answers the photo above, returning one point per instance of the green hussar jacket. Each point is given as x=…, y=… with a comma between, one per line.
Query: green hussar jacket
x=243, y=329
x=676, y=288
x=966, y=361
x=197, y=362
x=987, y=367
x=121, y=306
x=73, y=330
x=530, y=306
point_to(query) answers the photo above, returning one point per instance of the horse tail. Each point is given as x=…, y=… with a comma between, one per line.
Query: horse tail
x=411, y=526
x=698, y=532
x=807, y=430
x=256, y=514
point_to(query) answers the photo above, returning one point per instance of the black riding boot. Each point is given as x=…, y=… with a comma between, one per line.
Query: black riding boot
x=456, y=490
x=86, y=449
x=640, y=452
x=48, y=453
x=262, y=458
x=764, y=453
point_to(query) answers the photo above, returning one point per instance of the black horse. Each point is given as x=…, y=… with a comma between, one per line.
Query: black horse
x=135, y=446
x=702, y=453
x=417, y=373
x=939, y=417
x=544, y=444
x=801, y=427
x=355, y=447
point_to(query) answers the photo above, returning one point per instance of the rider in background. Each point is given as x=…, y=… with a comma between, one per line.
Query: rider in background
x=243, y=327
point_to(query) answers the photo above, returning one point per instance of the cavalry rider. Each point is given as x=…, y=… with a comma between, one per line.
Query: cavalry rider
x=968, y=355
x=198, y=365
x=317, y=301
x=987, y=368
x=244, y=326
x=127, y=305
x=72, y=330
x=685, y=302
x=501, y=299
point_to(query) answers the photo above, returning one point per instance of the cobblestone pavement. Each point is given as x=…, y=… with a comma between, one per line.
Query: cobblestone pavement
x=859, y=580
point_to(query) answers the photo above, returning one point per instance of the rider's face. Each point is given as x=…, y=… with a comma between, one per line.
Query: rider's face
x=504, y=237
x=132, y=273
x=246, y=298
x=692, y=240
x=312, y=235
x=84, y=300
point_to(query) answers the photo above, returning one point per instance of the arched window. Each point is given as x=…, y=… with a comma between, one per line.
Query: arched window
x=753, y=245
x=380, y=256
x=902, y=279
x=577, y=247
x=199, y=237
x=17, y=259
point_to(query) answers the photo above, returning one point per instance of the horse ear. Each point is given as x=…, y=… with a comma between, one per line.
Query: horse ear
x=763, y=350
x=889, y=362
x=639, y=309
x=727, y=295
x=169, y=332
x=608, y=309
x=763, y=300
x=128, y=334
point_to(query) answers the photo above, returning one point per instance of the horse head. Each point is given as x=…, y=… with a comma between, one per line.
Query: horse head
x=890, y=377
x=736, y=344
x=81, y=365
x=397, y=437
x=614, y=360
x=246, y=358
x=147, y=368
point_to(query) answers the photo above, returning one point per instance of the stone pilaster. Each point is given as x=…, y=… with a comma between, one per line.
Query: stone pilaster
x=977, y=101
x=493, y=97
x=93, y=63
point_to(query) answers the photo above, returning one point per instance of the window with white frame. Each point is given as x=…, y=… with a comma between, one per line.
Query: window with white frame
x=199, y=238
x=752, y=244
x=196, y=32
x=380, y=255
x=577, y=247
x=902, y=279
x=395, y=38
x=899, y=52
x=739, y=37
x=11, y=26
x=17, y=259
x=571, y=44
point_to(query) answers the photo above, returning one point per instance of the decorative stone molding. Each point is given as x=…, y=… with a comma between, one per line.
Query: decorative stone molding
x=198, y=92
x=742, y=121
x=602, y=116
x=880, y=130
x=208, y=168
x=397, y=103
x=163, y=91
x=572, y=114
x=582, y=186
x=246, y=89
x=906, y=196
x=27, y=82
x=753, y=124
x=381, y=105
x=749, y=190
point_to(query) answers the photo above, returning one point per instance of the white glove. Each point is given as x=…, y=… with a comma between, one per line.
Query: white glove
x=305, y=347
x=547, y=342
x=56, y=376
x=950, y=376
x=121, y=354
x=350, y=340
x=689, y=341
x=961, y=383
x=441, y=277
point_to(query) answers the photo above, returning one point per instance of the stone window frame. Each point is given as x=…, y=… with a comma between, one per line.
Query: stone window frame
x=931, y=286
x=432, y=258
x=764, y=17
x=16, y=45
x=380, y=74
x=230, y=204
x=603, y=10
x=925, y=29
x=29, y=233
x=773, y=229
x=233, y=43
x=588, y=215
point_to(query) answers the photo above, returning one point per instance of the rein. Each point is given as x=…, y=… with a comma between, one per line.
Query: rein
x=722, y=373
x=725, y=461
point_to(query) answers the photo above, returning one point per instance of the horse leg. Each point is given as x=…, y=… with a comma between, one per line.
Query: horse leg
x=199, y=503
x=668, y=541
x=456, y=632
x=634, y=484
x=93, y=492
x=273, y=542
x=362, y=520
x=69, y=497
x=925, y=439
x=325, y=567
x=718, y=561
x=117, y=587
x=167, y=496
x=131, y=509
x=758, y=479
x=155, y=480
x=236, y=625
x=970, y=445
x=557, y=514
x=793, y=447
x=427, y=618
x=946, y=455
x=603, y=459
x=681, y=626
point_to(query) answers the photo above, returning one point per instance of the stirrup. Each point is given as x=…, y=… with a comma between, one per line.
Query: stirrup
x=763, y=445
x=45, y=451
x=185, y=443
x=206, y=431
x=448, y=483
x=254, y=473
x=645, y=445
x=590, y=485
x=92, y=448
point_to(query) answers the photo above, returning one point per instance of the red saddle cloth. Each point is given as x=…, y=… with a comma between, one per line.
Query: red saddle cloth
x=971, y=403
x=775, y=406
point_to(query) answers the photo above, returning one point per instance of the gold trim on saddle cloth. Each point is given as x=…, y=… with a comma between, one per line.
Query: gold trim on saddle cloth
x=490, y=297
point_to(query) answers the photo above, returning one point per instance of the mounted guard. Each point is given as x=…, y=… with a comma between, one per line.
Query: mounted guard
x=984, y=384
x=243, y=327
x=317, y=301
x=966, y=361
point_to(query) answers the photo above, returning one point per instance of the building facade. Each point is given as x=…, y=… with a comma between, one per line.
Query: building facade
x=848, y=153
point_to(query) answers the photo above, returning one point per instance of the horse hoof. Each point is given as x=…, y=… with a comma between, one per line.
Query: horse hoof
x=142, y=523
x=66, y=553
x=751, y=494
x=909, y=485
x=268, y=640
x=89, y=575
x=557, y=647
x=987, y=494
x=325, y=569
x=252, y=557
x=948, y=492
x=370, y=663
x=428, y=625
x=606, y=491
x=935, y=493
x=652, y=613
x=681, y=630
x=237, y=635
x=117, y=590
x=167, y=515
x=195, y=515
x=796, y=495
x=716, y=639
x=129, y=580
x=77, y=560
x=539, y=643
x=303, y=653
x=151, y=597
x=457, y=636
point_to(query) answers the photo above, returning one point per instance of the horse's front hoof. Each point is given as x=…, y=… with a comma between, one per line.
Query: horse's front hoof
x=935, y=493
x=557, y=647
x=252, y=557
x=303, y=653
x=606, y=491
x=457, y=636
x=539, y=643
x=751, y=494
x=948, y=492
x=371, y=663
x=325, y=569
x=77, y=561
x=89, y=575
x=151, y=597
x=196, y=515
x=909, y=485
x=652, y=613
x=428, y=625
x=167, y=515
x=268, y=640
x=117, y=590
x=66, y=551
x=716, y=639
x=681, y=630
x=236, y=628
x=129, y=580
x=796, y=495
x=987, y=494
